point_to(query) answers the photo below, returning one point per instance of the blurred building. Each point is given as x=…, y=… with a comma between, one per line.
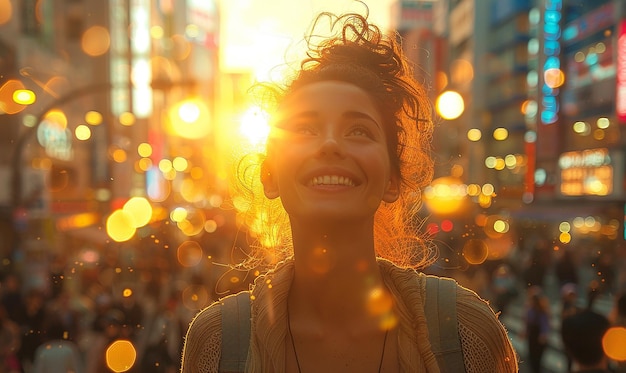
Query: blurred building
x=121, y=90
x=541, y=140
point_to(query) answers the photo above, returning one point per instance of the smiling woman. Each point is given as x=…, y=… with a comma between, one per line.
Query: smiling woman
x=334, y=196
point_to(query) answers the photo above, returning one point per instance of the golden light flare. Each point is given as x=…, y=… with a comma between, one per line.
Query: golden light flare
x=450, y=105
x=474, y=134
x=191, y=191
x=95, y=41
x=190, y=119
x=140, y=210
x=475, y=251
x=554, y=77
x=180, y=164
x=495, y=226
x=93, y=118
x=121, y=355
x=6, y=11
x=181, y=47
x=565, y=237
x=380, y=304
x=613, y=343
x=189, y=253
x=445, y=195
x=24, y=97
x=320, y=260
x=462, y=71
x=210, y=226
x=193, y=223
x=144, y=149
x=143, y=165
x=127, y=119
x=195, y=297
x=500, y=247
x=500, y=134
x=82, y=132
x=178, y=214
x=7, y=104
x=255, y=125
x=120, y=226
x=118, y=155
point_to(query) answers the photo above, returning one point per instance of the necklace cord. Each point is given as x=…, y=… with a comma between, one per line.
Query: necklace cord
x=295, y=352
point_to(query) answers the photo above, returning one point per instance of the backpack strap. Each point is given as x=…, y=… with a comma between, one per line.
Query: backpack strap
x=440, y=310
x=235, y=332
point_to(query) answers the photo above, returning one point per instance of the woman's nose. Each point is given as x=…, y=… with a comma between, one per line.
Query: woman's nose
x=330, y=146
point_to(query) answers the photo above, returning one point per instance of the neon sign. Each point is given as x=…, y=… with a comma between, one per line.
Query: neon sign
x=620, y=99
x=552, y=51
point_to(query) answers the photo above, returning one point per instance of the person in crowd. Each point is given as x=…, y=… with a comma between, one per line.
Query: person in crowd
x=582, y=338
x=346, y=159
x=617, y=317
x=31, y=321
x=57, y=354
x=11, y=297
x=566, y=268
x=112, y=329
x=10, y=340
x=569, y=307
x=503, y=287
x=538, y=264
x=163, y=340
x=538, y=327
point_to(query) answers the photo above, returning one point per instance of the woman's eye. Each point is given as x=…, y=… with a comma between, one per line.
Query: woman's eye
x=304, y=130
x=299, y=129
x=360, y=131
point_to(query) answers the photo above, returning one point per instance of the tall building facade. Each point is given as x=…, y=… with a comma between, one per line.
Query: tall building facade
x=543, y=127
x=121, y=88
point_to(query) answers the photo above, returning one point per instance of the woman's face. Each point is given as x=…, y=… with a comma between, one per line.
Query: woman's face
x=327, y=156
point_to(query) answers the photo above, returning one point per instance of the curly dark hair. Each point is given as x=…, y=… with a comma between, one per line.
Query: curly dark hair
x=359, y=53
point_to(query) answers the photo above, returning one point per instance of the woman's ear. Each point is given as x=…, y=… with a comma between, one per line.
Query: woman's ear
x=270, y=187
x=392, y=193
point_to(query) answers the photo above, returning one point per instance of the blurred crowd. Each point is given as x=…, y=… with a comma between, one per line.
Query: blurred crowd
x=71, y=332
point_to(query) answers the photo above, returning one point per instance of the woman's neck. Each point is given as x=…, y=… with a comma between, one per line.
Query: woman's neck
x=336, y=276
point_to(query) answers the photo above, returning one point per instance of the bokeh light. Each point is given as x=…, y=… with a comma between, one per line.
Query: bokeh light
x=614, y=343
x=7, y=103
x=82, y=132
x=140, y=210
x=255, y=125
x=554, y=77
x=475, y=251
x=189, y=253
x=195, y=297
x=6, y=11
x=445, y=195
x=96, y=41
x=500, y=134
x=120, y=226
x=189, y=119
x=121, y=355
x=450, y=105
x=93, y=118
x=24, y=96
x=474, y=134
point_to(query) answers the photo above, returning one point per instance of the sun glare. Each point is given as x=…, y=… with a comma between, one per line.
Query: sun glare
x=255, y=125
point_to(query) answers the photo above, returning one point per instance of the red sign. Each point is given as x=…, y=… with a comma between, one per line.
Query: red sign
x=620, y=97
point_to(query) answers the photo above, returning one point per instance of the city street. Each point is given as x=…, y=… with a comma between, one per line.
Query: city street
x=554, y=360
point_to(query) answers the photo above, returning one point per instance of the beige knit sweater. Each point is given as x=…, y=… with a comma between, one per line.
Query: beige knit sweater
x=486, y=347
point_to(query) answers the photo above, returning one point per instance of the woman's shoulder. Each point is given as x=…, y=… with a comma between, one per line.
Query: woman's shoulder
x=203, y=341
x=484, y=340
x=486, y=344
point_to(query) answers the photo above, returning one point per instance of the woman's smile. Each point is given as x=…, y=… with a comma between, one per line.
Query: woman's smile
x=331, y=154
